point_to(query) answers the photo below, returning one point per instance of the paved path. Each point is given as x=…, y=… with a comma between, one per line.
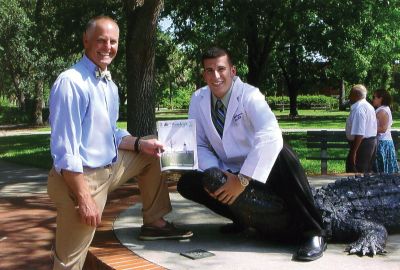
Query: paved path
x=240, y=251
x=27, y=218
x=28, y=221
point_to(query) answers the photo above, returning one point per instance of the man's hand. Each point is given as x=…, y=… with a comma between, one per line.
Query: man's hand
x=152, y=147
x=228, y=193
x=88, y=211
x=86, y=206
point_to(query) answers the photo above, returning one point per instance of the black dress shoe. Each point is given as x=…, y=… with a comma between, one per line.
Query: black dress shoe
x=312, y=249
x=231, y=228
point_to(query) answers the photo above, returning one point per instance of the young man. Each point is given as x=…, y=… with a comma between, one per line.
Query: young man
x=237, y=132
x=92, y=157
x=361, y=130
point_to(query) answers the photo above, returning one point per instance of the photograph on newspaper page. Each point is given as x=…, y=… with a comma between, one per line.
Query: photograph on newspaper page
x=180, y=148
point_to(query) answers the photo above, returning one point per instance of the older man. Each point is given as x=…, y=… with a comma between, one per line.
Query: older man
x=92, y=157
x=361, y=129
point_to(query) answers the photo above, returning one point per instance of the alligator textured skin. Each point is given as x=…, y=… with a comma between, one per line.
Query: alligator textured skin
x=358, y=210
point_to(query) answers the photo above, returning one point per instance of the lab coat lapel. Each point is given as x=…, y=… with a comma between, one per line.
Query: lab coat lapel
x=205, y=107
x=233, y=102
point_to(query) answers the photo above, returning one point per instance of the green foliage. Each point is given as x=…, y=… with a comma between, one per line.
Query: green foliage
x=4, y=102
x=303, y=101
x=173, y=77
x=181, y=99
x=290, y=45
x=11, y=115
x=295, y=44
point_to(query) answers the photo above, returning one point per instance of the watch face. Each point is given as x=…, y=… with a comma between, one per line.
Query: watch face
x=243, y=180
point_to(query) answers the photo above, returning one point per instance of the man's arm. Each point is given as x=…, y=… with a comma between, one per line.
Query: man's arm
x=268, y=141
x=354, y=148
x=383, y=121
x=149, y=146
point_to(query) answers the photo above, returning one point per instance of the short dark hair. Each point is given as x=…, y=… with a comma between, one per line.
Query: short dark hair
x=215, y=52
x=384, y=94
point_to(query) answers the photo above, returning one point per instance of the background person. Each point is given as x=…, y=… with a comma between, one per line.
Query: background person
x=237, y=132
x=386, y=158
x=361, y=129
x=92, y=157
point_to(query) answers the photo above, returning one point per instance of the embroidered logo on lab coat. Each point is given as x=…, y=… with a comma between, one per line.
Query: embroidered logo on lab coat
x=237, y=117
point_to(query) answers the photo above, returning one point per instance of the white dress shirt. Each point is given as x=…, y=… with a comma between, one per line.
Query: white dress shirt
x=361, y=121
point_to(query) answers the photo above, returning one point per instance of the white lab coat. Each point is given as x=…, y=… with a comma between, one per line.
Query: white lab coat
x=251, y=140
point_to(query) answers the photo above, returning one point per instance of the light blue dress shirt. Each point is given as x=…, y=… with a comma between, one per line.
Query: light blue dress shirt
x=83, y=117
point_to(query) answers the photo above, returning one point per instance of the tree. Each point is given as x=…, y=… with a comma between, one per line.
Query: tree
x=140, y=50
x=15, y=57
x=296, y=40
x=174, y=73
x=362, y=44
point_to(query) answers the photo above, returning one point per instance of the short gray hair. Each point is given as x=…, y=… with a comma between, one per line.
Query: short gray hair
x=360, y=89
x=92, y=22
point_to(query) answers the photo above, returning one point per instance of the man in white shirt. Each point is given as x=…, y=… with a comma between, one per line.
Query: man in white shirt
x=361, y=129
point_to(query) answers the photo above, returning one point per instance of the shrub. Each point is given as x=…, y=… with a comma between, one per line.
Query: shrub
x=180, y=100
x=303, y=101
x=13, y=115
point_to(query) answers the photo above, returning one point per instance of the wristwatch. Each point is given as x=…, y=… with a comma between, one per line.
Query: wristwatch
x=244, y=180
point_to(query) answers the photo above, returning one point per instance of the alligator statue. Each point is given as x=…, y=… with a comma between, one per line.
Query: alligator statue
x=361, y=209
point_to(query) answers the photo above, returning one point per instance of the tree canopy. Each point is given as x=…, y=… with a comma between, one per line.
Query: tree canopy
x=283, y=47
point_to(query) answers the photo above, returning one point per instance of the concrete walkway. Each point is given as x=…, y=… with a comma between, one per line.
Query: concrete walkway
x=27, y=223
x=241, y=251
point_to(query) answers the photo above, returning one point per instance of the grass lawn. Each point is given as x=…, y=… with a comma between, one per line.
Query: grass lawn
x=33, y=150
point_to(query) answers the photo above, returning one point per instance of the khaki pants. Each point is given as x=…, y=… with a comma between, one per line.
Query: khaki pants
x=73, y=238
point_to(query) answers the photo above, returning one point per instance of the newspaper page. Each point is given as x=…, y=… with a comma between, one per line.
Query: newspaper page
x=180, y=147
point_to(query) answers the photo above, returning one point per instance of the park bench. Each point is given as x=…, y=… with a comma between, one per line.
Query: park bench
x=331, y=145
x=281, y=105
x=320, y=106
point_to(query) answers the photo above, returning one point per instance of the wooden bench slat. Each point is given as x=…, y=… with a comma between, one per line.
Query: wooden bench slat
x=337, y=139
x=329, y=141
x=328, y=145
x=326, y=158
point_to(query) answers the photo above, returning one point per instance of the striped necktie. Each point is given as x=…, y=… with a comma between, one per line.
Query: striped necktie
x=219, y=117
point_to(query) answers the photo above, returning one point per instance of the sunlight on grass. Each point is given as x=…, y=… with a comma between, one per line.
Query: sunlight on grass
x=33, y=150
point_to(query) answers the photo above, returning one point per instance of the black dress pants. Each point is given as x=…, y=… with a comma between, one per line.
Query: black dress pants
x=287, y=179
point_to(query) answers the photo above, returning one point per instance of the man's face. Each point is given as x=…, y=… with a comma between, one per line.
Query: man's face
x=353, y=96
x=218, y=75
x=101, y=42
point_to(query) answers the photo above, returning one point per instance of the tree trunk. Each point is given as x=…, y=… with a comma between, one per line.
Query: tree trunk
x=140, y=52
x=342, y=96
x=38, y=106
x=293, y=91
x=18, y=91
x=254, y=61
